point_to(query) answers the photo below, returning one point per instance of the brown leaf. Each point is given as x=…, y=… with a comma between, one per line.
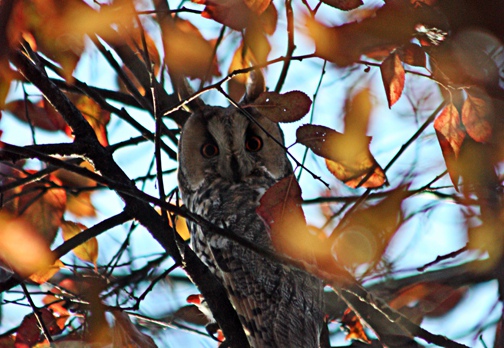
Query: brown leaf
x=42, y=205
x=345, y=5
x=450, y=134
x=354, y=326
x=40, y=114
x=347, y=156
x=393, y=76
x=87, y=251
x=280, y=208
x=287, y=107
x=476, y=116
x=29, y=332
x=413, y=54
x=22, y=247
x=192, y=314
x=186, y=51
x=125, y=334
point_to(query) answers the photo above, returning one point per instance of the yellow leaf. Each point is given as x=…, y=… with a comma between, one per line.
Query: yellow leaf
x=45, y=274
x=87, y=251
x=22, y=247
x=182, y=229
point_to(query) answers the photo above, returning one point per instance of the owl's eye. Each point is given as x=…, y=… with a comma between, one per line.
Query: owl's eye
x=253, y=143
x=209, y=150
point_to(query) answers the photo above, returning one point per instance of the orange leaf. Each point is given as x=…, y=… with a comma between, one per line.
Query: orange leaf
x=432, y=299
x=186, y=51
x=94, y=114
x=43, y=205
x=236, y=14
x=354, y=327
x=280, y=208
x=367, y=233
x=286, y=107
x=47, y=273
x=450, y=134
x=393, y=76
x=347, y=156
x=87, y=251
x=476, y=117
x=22, y=247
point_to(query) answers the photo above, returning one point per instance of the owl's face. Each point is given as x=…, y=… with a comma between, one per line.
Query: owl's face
x=223, y=143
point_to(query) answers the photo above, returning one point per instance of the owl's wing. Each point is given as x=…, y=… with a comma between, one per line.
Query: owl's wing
x=277, y=305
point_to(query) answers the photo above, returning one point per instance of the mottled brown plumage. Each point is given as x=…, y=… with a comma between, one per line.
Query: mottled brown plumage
x=226, y=163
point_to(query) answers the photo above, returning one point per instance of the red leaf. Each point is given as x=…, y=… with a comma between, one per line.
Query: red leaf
x=393, y=78
x=476, y=117
x=450, y=134
x=236, y=14
x=286, y=107
x=413, y=54
x=40, y=114
x=280, y=208
x=29, y=332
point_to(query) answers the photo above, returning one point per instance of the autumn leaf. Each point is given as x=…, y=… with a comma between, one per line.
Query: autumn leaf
x=476, y=116
x=86, y=251
x=345, y=5
x=367, y=232
x=428, y=299
x=347, y=157
x=393, y=76
x=280, y=208
x=413, y=54
x=43, y=275
x=42, y=204
x=181, y=227
x=269, y=19
x=41, y=114
x=242, y=58
x=236, y=14
x=354, y=327
x=451, y=135
x=286, y=107
x=29, y=332
x=135, y=42
x=126, y=334
x=22, y=247
x=186, y=51
x=97, y=117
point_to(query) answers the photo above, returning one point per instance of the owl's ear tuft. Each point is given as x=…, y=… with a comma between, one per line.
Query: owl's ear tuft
x=255, y=86
x=184, y=91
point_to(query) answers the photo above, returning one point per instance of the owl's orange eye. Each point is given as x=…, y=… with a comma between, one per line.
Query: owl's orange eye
x=253, y=143
x=209, y=150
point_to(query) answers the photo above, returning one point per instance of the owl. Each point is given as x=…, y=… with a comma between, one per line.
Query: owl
x=226, y=162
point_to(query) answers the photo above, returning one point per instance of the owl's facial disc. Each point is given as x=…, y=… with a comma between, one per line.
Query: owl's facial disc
x=223, y=143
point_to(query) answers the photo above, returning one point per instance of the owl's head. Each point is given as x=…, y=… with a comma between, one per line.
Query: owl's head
x=224, y=143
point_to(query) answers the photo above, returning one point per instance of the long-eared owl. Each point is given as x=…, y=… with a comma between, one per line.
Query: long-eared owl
x=226, y=163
